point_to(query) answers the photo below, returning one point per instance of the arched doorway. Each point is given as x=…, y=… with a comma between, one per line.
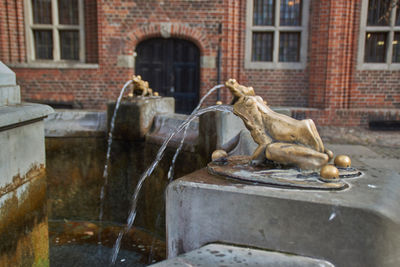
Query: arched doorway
x=172, y=68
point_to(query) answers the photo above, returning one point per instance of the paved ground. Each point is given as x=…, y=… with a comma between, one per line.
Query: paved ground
x=379, y=149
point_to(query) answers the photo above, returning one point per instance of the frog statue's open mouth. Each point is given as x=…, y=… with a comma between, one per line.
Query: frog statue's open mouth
x=284, y=141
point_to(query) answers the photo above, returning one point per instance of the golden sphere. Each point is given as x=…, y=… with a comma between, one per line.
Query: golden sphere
x=329, y=172
x=342, y=161
x=329, y=153
x=156, y=94
x=218, y=103
x=218, y=154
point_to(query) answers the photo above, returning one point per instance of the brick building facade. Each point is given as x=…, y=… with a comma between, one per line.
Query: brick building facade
x=343, y=73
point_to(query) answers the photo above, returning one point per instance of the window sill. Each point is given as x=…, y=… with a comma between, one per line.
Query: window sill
x=378, y=66
x=54, y=65
x=274, y=65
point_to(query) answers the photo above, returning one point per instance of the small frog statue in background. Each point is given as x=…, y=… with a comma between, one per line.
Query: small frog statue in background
x=140, y=87
x=280, y=138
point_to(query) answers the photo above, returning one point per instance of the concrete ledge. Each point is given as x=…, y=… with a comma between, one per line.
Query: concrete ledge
x=225, y=255
x=11, y=116
x=76, y=123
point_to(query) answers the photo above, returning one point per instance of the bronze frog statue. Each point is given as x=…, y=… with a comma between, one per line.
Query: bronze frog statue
x=280, y=138
x=140, y=87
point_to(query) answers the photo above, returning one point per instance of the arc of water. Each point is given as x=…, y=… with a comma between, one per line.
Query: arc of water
x=170, y=175
x=109, y=143
x=149, y=171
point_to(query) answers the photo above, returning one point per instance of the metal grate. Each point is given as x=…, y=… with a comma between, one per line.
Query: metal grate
x=41, y=10
x=289, y=46
x=43, y=44
x=69, y=41
x=290, y=13
x=262, y=46
x=378, y=12
x=263, y=12
x=68, y=12
x=375, y=47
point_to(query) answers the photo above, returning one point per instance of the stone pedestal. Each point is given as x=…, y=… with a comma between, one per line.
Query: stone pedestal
x=359, y=226
x=135, y=117
x=23, y=216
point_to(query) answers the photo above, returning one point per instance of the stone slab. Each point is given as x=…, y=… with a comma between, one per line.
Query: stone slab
x=76, y=123
x=7, y=76
x=363, y=156
x=135, y=117
x=11, y=116
x=359, y=226
x=233, y=256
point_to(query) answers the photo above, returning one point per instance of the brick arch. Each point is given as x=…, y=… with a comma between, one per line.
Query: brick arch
x=176, y=30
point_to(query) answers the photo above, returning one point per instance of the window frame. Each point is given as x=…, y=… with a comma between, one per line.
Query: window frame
x=276, y=29
x=364, y=28
x=55, y=27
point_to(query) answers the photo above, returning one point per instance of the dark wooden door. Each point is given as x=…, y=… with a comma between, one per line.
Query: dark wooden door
x=171, y=66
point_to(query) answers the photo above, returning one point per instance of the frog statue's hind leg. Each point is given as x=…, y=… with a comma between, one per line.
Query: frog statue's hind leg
x=297, y=155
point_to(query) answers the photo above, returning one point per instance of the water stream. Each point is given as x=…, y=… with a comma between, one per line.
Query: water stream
x=170, y=175
x=149, y=171
x=109, y=143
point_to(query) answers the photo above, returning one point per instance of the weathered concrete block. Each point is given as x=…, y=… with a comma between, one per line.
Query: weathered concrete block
x=7, y=76
x=359, y=226
x=23, y=214
x=135, y=118
x=9, y=95
x=9, y=91
x=21, y=142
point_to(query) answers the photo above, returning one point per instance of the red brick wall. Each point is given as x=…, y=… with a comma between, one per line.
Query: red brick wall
x=91, y=31
x=330, y=82
x=376, y=89
x=12, y=33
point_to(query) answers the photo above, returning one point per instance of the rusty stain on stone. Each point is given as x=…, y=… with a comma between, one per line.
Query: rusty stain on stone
x=23, y=223
x=19, y=180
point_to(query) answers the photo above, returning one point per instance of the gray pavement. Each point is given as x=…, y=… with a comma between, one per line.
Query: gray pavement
x=377, y=149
